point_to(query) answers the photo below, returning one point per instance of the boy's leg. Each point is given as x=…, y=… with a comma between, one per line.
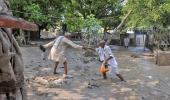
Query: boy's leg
x=65, y=67
x=105, y=75
x=120, y=76
x=116, y=70
x=56, y=65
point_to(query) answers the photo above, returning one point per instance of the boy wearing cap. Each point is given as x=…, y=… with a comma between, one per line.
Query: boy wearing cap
x=107, y=58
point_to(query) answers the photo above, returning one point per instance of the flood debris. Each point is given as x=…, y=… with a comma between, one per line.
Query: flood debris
x=135, y=56
x=64, y=80
x=92, y=85
x=41, y=80
x=124, y=89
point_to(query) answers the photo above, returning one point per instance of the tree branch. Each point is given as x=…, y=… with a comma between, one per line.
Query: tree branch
x=122, y=22
x=119, y=26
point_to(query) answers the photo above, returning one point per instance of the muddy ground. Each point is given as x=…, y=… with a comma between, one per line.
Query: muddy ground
x=145, y=80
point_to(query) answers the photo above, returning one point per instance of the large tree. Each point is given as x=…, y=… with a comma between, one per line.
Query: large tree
x=48, y=12
x=43, y=12
x=148, y=13
x=108, y=11
x=75, y=13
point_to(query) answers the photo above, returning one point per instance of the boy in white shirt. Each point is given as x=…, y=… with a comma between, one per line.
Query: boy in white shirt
x=107, y=57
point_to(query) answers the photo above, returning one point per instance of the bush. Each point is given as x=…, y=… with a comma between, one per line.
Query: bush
x=91, y=30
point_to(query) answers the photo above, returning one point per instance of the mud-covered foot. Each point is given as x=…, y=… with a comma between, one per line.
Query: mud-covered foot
x=67, y=76
x=122, y=82
x=55, y=73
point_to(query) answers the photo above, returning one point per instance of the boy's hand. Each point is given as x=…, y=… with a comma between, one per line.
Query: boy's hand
x=42, y=48
x=92, y=49
x=105, y=62
x=88, y=48
x=85, y=48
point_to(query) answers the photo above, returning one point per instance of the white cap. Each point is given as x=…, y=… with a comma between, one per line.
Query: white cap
x=102, y=41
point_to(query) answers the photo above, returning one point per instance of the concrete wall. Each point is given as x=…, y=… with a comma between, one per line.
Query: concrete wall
x=162, y=58
x=140, y=39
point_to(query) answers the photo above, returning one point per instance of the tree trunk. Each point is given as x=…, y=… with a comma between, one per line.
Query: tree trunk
x=119, y=26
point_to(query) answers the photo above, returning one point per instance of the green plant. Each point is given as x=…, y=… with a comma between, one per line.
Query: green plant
x=91, y=30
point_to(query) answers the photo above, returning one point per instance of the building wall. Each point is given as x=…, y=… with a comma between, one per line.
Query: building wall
x=140, y=39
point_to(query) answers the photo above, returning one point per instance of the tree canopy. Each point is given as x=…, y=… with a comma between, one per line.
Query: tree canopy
x=148, y=13
x=80, y=14
x=50, y=12
x=43, y=12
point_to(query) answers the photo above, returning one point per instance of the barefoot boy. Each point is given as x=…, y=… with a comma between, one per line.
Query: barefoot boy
x=59, y=46
x=107, y=58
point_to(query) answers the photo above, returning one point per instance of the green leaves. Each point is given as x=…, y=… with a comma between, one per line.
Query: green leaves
x=148, y=13
x=51, y=11
x=32, y=12
x=91, y=29
x=42, y=12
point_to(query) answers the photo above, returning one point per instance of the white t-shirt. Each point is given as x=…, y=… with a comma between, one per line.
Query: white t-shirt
x=105, y=53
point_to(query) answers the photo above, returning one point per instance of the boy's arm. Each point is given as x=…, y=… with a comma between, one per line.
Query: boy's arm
x=92, y=49
x=72, y=44
x=107, y=59
x=110, y=53
x=76, y=46
x=50, y=44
